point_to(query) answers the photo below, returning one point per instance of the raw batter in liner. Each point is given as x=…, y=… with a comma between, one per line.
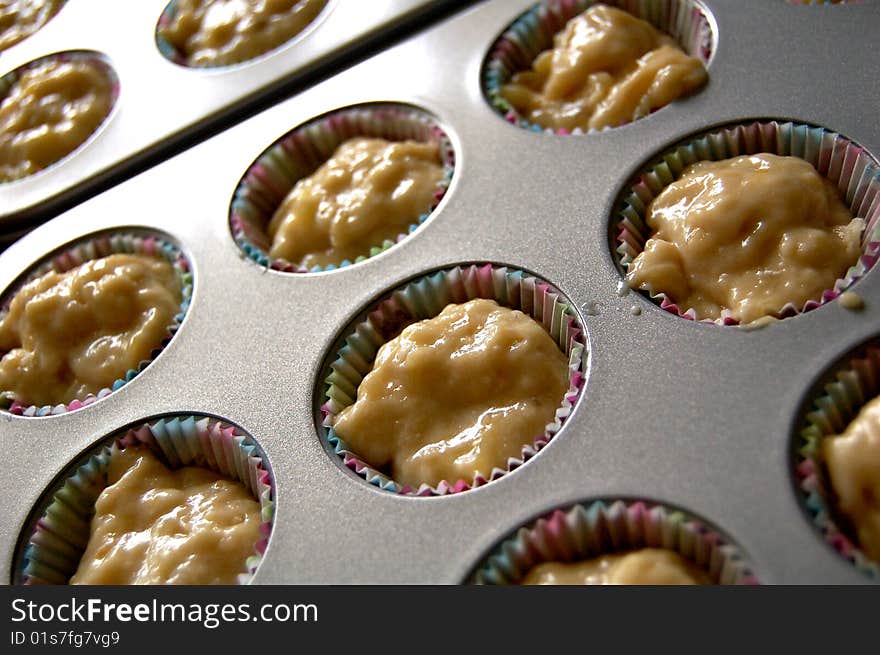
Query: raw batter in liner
x=21, y=18
x=370, y=191
x=853, y=462
x=67, y=335
x=607, y=67
x=456, y=394
x=647, y=566
x=157, y=526
x=51, y=110
x=746, y=236
x=224, y=32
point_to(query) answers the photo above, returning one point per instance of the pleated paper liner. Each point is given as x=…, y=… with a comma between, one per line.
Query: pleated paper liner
x=533, y=31
x=87, y=249
x=300, y=152
x=853, y=171
x=100, y=62
x=589, y=530
x=171, y=53
x=425, y=298
x=853, y=383
x=56, y=538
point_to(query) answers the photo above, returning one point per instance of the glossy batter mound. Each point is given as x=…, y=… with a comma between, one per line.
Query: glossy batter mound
x=456, y=394
x=52, y=109
x=67, y=335
x=853, y=462
x=369, y=191
x=156, y=526
x=746, y=235
x=224, y=32
x=648, y=566
x=607, y=67
x=21, y=18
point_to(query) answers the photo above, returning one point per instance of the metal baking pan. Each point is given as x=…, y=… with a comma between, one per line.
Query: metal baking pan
x=160, y=102
x=700, y=417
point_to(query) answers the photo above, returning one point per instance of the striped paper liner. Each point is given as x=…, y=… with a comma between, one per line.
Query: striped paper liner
x=853, y=383
x=533, y=31
x=300, y=152
x=425, y=298
x=58, y=537
x=90, y=248
x=9, y=80
x=171, y=53
x=602, y=527
x=854, y=172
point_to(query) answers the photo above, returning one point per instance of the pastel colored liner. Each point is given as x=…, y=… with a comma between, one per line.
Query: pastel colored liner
x=589, y=530
x=88, y=250
x=533, y=31
x=300, y=152
x=852, y=170
x=171, y=53
x=425, y=298
x=99, y=61
x=168, y=51
x=853, y=384
x=58, y=539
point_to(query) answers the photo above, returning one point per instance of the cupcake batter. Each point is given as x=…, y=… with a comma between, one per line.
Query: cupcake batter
x=156, y=526
x=21, y=18
x=607, y=67
x=853, y=462
x=67, y=335
x=457, y=394
x=225, y=32
x=51, y=110
x=648, y=566
x=745, y=236
x=369, y=191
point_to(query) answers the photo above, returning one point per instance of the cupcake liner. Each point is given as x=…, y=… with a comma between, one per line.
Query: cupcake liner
x=300, y=152
x=172, y=54
x=86, y=250
x=59, y=533
x=167, y=50
x=855, y=173
x=425, y=298
x=8, y=80
x=853, y=384
x=589, y=530
x=533, y=31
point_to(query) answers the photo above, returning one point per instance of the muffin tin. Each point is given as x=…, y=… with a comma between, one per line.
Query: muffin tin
x=699, y=417
x=162, y=102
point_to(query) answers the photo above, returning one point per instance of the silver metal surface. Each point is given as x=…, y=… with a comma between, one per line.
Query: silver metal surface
x=698, y=416
x=159, y=100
